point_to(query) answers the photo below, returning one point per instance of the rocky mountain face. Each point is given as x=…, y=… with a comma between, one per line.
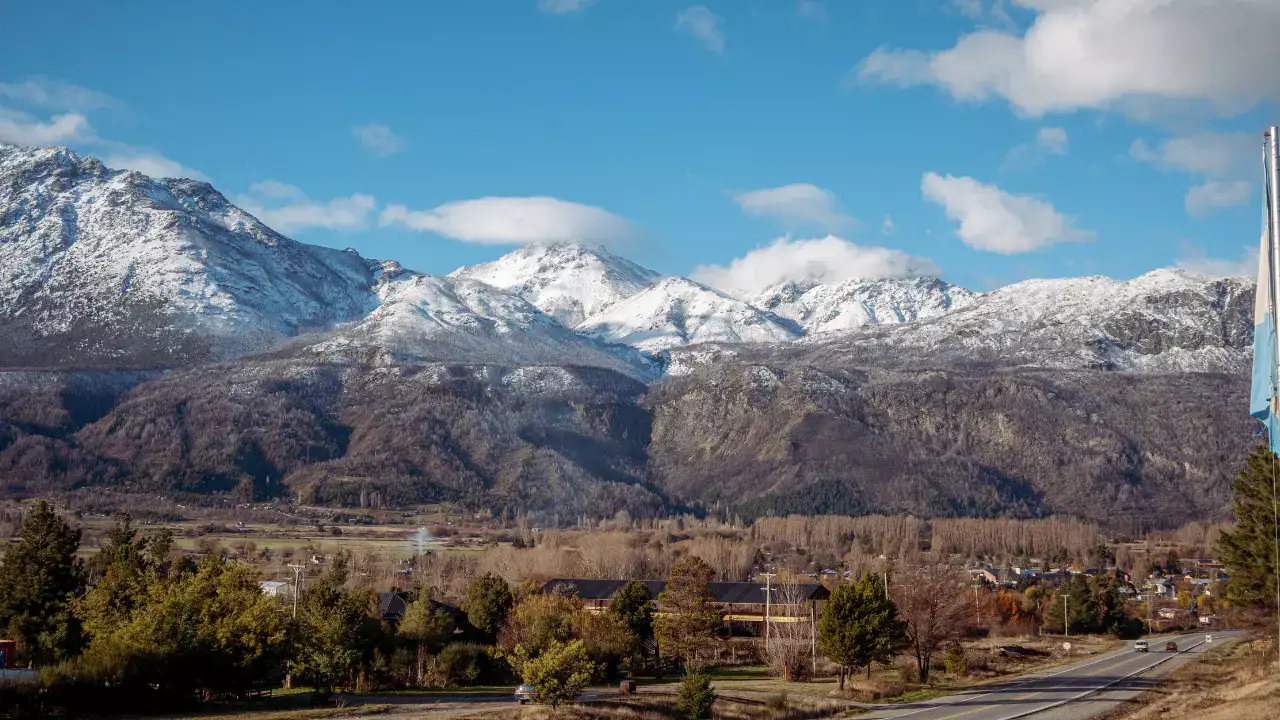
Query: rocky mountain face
x=160, y=339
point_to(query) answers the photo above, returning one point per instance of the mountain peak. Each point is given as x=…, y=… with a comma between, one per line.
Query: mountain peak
x=857, y=302
x=569, y=281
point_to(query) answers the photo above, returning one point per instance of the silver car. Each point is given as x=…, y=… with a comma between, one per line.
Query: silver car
x=526, y=693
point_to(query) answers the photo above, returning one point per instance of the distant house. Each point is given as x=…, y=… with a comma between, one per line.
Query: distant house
x=1162, y=587
x=275, y=588
x=391, y=607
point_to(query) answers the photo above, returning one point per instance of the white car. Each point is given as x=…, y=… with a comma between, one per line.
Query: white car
x=1141, y=646
x=1208, y=638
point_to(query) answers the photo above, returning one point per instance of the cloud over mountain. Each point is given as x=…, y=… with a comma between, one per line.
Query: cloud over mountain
x=514, y=221
x=826, y=260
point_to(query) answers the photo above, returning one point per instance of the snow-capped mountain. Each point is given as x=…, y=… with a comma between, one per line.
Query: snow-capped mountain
x=676, y=311
x=424, y=318
x=568, y=281
x=100, y=265
x=109, y=268
x=1164, y=321
x=840, y=307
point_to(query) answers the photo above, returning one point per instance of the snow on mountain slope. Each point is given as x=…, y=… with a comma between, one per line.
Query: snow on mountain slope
x=676, y=312
x=566, y=280
x=108, y=266
x=1164, y=321
x=423, y=318
x=839, y=307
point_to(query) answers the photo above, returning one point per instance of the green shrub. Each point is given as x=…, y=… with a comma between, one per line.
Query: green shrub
x=467, y=664
x=955, y=660
x=694, y=696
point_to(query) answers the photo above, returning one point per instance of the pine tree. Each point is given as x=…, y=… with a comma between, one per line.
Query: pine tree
x=39, y=579
x=487, y=603
x=859, y=626
x=1249, y=553
x=632, y=607
x=1080, y=605
x=687, y=615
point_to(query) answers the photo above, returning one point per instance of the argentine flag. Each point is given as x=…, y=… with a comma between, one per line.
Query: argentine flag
x=1263, y=401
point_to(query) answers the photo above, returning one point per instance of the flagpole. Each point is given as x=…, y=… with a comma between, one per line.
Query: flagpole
x=1273, y=217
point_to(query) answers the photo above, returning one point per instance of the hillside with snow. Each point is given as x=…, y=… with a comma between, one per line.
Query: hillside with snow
x=819, y=308
x=424, y=318
x=1164, y=321
x=567, y=281
x=111, y=267
x=676, y=312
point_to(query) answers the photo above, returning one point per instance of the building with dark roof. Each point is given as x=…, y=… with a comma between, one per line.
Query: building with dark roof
x=391, y=607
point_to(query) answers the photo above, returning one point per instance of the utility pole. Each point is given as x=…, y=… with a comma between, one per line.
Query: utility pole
x=1066, y=623
x=297, y=573
x=768, y=587
x=1273, y=218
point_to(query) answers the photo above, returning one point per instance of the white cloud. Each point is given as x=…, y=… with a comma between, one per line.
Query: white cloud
x=514, y=221
x=1053, y=140
x=828, y=259
x=560, y=7
x=983, y=11
x=148, y=162
x=1221, y=160
x=1195, y=260
x=812, y=10
x=288, y=210
x=1106, y=53
x=52, y=94
x=797, y=202
x=1049, y=141
x=702, y=24
x=19, y=128
x=886, y=227
x=1213, y=195
x=378, y=139
x=1219, y=155
x=996, y=221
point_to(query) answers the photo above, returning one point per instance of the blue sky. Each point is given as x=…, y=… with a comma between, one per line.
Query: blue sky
x=693, y=133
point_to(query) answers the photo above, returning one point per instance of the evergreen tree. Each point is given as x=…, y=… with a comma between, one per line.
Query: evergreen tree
x=39, y=579
x=687, y=616
x=487, y=603
x=632, y=607
x=336, y=631
x=1249, y=552
x=859, y=626
x=122, y=573
x=695, y=697
x=1081, y=607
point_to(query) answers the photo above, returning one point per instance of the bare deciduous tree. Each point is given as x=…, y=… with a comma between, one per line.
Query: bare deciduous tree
x=790, y=650
x=931, y=598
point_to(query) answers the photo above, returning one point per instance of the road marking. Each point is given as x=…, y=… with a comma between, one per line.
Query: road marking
x=1087, y=693
x=964, y=699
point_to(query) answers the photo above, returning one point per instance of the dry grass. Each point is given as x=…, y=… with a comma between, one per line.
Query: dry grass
x=660, y=709
x=1240, y=683
x=301, y=713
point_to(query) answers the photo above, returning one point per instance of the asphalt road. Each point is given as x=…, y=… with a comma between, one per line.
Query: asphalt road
x=1078, y=691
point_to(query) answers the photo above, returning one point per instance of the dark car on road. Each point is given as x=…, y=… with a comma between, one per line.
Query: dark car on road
x=1171, y=646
